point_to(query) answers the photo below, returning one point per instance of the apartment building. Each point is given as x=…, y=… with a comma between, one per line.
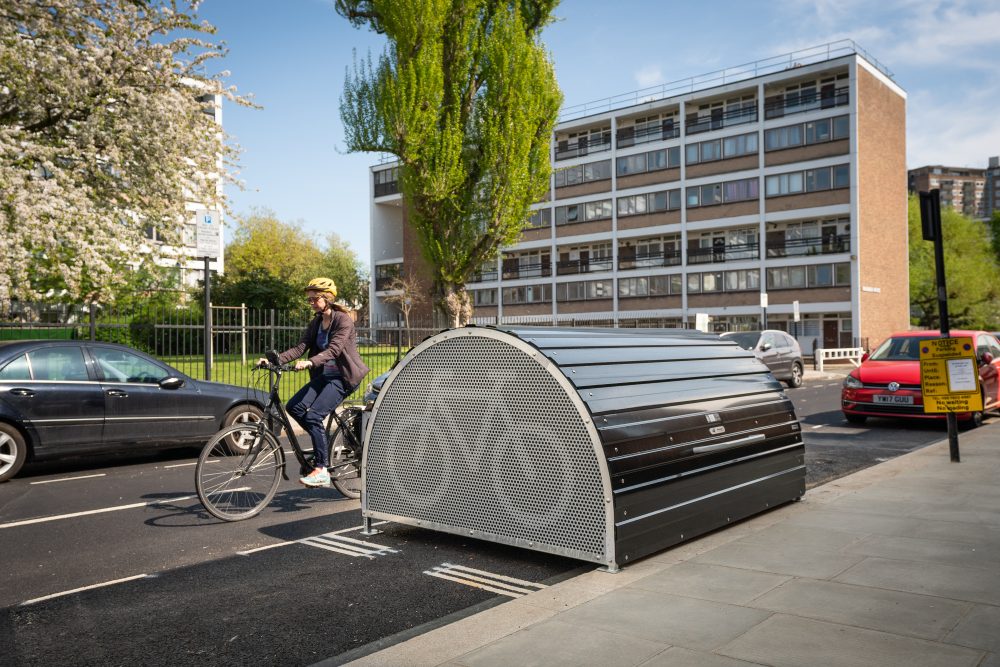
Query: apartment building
x=770, y=195
x=962, y=189
x=991, y=189
x=203, y=231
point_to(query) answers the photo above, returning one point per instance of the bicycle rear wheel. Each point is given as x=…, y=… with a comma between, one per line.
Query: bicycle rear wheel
x=237, y=486
x=345, y=459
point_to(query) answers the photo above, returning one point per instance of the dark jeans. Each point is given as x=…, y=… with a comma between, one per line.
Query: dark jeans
x=311, y=405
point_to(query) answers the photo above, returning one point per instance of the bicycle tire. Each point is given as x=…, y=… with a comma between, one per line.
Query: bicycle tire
x=345, y=462
x=237, y=486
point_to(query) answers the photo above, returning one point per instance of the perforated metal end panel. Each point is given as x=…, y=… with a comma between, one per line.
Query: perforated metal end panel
x=477, y=435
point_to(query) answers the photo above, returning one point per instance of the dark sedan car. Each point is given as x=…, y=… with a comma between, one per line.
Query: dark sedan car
x=60, y=398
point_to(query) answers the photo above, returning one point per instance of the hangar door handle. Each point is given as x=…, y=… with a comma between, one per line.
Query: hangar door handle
x=19, y=391
x=117, y=393
x=727, y=445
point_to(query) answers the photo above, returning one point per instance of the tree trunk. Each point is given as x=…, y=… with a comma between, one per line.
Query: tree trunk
x=455, y=304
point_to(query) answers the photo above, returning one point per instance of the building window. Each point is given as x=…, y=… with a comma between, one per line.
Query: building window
x=540, y=218
x=527, y=294
x=664, y=158
x=386, y=182
x=717, y=149
x=484, y=297
x=715, y=193
x=810, y=180
x=583, y=173
x=806, y=134
x=594, y=210
x=385, y=274
x=584, y=291
x=650, y=202
x=743, y=280
x=814, y=275
x=649, y=286
x=583, y=142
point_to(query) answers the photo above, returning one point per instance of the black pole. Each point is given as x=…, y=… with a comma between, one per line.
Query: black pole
x=930, y=219
x=93, y=321
x=208, y=321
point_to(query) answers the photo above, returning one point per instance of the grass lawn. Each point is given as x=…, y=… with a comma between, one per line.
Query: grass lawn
x=231, y=370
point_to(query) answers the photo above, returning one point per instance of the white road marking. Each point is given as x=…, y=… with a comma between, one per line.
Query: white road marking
x=68, y=479
x=488, y=581
x=193, y=463
x=85, y=588
x=818, y=426
x=346, y=545
x=45, y=519
x=285, y=544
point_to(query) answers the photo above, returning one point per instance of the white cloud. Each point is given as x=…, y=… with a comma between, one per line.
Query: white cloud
x=650, y=75
x=952, y=131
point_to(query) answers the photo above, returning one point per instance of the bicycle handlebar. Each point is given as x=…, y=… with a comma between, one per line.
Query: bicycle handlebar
x=282, y=368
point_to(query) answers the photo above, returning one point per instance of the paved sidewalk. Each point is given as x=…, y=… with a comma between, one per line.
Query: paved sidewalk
x=898, y=564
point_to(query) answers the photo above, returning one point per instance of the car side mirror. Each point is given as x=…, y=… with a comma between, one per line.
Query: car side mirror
x=765, y=347
x=171, y=382
x=864, y=357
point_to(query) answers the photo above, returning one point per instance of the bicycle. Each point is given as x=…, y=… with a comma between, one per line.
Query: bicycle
x=239, y=469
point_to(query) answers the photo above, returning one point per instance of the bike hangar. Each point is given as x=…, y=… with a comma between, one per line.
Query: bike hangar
x=604, y=445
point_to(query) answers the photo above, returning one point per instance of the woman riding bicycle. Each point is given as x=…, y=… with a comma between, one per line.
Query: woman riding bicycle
x=335, y=369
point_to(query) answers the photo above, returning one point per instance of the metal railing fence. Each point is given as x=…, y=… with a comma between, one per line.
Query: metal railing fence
x=176, y=336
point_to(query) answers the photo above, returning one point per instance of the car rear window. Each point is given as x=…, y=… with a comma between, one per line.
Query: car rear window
x=60, y=364
x=746, y=340
x=17, y=369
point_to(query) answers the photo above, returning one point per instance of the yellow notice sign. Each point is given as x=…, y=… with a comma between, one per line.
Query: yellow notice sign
x=949, y=376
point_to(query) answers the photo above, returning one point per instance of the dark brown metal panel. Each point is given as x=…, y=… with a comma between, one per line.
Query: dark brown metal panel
x=642, y=538
x=653, y=371
x=705, y=480
x=630, y=397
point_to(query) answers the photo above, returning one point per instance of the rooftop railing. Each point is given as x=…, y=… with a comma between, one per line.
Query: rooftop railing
x=722, y=77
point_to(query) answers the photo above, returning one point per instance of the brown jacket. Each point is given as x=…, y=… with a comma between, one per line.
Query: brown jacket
x=341, y=348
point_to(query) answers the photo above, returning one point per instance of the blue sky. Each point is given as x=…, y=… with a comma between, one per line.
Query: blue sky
x=291, y=56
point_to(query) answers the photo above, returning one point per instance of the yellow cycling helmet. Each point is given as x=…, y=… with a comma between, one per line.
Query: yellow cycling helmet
x=322, y=285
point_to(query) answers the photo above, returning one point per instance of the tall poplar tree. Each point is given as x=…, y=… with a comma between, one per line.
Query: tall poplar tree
x=465, y=97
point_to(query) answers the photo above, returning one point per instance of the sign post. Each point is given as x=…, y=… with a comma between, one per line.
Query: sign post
x=930, y=221
x=763, y=309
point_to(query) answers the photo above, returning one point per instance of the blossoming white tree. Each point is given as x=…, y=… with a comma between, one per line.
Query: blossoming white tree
x=103, y=132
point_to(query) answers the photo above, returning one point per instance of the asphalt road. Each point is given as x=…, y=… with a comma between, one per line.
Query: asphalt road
x=165, y=583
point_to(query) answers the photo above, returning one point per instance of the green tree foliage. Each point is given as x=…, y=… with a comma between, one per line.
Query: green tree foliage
x=103, y=133
x=994, y=224
x=465, y=97
x=269, y=262
x=972, y=274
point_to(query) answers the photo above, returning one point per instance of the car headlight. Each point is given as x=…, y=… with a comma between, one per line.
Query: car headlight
x=851, y=382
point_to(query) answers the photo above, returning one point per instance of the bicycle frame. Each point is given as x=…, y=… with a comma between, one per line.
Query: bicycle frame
x=274, y=405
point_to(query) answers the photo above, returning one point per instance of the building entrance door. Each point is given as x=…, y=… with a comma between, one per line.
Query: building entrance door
x=830, y=334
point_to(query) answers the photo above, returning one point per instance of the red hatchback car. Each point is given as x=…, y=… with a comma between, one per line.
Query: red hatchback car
x=887, y=384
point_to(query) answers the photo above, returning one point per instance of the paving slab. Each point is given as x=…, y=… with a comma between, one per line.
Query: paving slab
x=980, y=629
x=676, y=656
x=947, y=581
x=788, y=641
x=671, y=619
x=906, y=614
x=793, y=559
x=930, y=550
x=711, y=582
x=557, y=644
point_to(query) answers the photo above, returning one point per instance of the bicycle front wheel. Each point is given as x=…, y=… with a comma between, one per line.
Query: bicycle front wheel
x=345, y=460
x=237, y=485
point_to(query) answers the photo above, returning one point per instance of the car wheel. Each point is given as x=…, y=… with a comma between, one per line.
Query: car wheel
x=855, y=419
x=795, y=381
x=241, y=414
x=13, y=451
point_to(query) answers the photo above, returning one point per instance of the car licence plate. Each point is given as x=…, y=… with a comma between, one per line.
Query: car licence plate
x=893, y=399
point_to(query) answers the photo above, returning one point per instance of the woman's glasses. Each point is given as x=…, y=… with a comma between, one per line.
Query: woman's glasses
x=313, y=299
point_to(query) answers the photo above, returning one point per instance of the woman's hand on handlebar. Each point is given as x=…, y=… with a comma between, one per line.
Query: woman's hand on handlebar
x=261, y=363
x=302, y=364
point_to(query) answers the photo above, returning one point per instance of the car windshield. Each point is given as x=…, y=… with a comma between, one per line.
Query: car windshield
x=900, y=348
x=747, y=340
